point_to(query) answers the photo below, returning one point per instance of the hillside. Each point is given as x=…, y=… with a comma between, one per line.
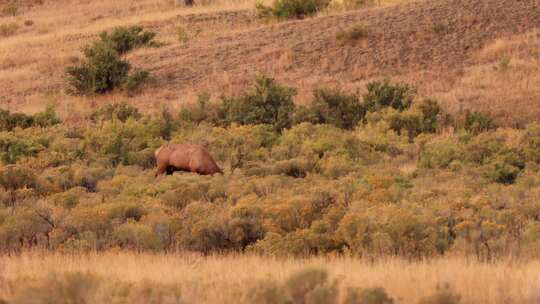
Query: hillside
x=449, y=49
x=379, y=155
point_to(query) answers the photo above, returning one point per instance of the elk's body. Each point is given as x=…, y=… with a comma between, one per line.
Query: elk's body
x=185, y=157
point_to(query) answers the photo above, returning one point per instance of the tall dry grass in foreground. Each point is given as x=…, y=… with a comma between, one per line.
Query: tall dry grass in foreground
x=188, y=278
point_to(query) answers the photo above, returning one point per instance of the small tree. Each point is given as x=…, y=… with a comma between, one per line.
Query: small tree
x=103, y=69
x=268, y=103
x=331, y=106
x=382, y=94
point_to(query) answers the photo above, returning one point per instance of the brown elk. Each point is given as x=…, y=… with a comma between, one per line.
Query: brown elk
x=185, y=157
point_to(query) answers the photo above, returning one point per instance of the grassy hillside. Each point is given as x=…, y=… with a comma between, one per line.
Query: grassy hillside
x=395, y=144
x=451, y=50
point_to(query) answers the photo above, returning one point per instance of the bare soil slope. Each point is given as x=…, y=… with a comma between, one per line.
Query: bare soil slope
x=400, y=39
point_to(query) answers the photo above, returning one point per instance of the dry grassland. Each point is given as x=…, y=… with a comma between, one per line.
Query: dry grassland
x=481, y=55
x=230, y=279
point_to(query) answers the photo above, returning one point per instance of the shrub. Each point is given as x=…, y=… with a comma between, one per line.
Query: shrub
x=267, y=292
x=382, y=94
x=133, y=235
x=268, y=103
x=303, y=284
x=203, y=228
x=441, y=154
x=136, y=79
x=103, y=69
x=245, y=226
x=531, y=143
x=10, y=9
x=8, y=29
x=355, y=33
x=431, y=110
x=46, y=118
x=126, y=39
x=298, y=168
x=10, y=121
x=121, y=111
x=13, y=147
x=443, y=295
x=16, y=177
x=374, y=295
x=201, y=111
x=505, y=167
x=65, y=288
x=126, y=212
x=477, y=122
x=331, y=106
x=287, y=9
x=302, y=243
x=484, y=146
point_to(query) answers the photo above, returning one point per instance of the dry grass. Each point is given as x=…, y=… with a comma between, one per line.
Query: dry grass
x=225, y=279
x=32, y=59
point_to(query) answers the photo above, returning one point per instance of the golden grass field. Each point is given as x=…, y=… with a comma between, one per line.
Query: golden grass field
x=228, y=279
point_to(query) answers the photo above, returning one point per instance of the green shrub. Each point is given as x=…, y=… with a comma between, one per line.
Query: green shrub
x=245, y=226
x=103, y=69
x=268, y=103
x=431, y=110
x=477, y=122
x=13, y=147
x=133, y=235
x=441, y=154
x=504, y=167
x=382, y=94
x=287, y=9
x=10, y=121
x=16, y=177
x=531, y=143
x=121, y=111
x=126, y=39
x=46, y=118
x=201, y=111
x=125, y=212
x=203, y=228
x=136, y=79
x=484, y=146
x=331, y=106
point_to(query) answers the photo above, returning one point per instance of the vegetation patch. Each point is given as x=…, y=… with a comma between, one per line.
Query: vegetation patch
x=289, y=9
x=103, y=69
x=355, y=33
